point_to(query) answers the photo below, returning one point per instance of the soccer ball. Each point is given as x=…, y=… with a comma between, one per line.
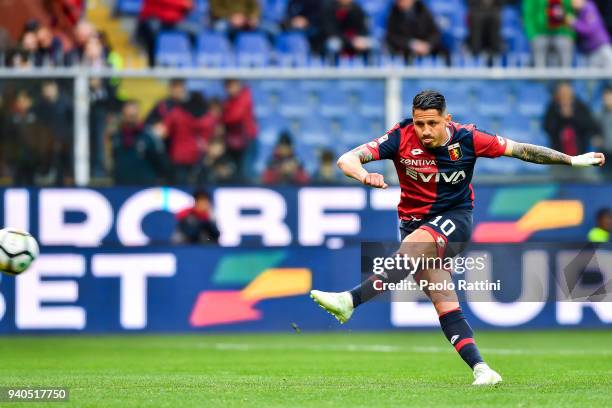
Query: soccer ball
x=17, y=250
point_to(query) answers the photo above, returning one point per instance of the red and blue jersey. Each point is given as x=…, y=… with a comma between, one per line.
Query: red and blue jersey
x=438, y=179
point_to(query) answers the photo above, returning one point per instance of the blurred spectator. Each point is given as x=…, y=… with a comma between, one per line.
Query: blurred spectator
x=412, y=30
x=196, y=225
x=50, y=49
x=484, y=24
x=83, y=31
x=187, y=133
x=29, y=45
x=601, y=231
x=93, y=54
x=30, y=146
x=306, y=16
x=20, y=58
x=54, y=113
x=103, y=104
x=5, y=44
x=552, y=39
x=240, y=125
x=605, y=8
x=177, y=95
x=593, y=37
x=327, y=173
x=234, y=15
x=136, y=154
x=605, y=121
x=158, y=15
x=345, y=29
x=569, y=122
x=284, y=167
x=218, y=166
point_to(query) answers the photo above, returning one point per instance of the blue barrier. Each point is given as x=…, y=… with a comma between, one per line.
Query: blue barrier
x=205, y=289
x=306, y=216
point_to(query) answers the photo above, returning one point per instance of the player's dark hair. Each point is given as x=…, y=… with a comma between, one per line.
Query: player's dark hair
x=429, y=99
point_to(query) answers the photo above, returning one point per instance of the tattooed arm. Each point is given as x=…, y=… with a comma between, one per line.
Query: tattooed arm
x=544, y=155
x=351, y=163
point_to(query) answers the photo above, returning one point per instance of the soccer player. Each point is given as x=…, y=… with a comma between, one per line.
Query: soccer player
x=434, y=158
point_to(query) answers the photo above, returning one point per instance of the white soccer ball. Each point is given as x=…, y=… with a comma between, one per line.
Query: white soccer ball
x=18, y=249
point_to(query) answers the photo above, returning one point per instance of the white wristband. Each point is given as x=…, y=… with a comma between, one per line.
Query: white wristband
x=586, y=160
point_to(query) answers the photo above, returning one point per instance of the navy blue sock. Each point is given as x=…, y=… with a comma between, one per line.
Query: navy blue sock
x=366, y=291
x=460, y=334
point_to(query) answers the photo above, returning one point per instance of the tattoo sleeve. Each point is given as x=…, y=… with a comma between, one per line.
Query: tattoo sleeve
x=539, y=154
x=363, y=153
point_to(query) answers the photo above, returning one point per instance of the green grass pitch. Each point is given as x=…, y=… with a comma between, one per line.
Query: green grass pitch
x=420, y=369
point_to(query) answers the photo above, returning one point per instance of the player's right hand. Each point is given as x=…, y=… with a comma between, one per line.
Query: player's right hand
x=375, y=180
x=589, y=159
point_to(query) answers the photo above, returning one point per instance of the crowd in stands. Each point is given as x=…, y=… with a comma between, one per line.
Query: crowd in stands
x=41, y=45
x=409, y=29
x=189, y=139
x=315, y=32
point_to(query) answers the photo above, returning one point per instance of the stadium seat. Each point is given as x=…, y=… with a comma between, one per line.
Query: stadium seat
x=128, y=7
x=253, y=49
x=273, y=11
x=173, y=49
x=293, y=48
x=316, y=133
x=294, y=103
x=334, y=103
x=213, y=49
x=271, y=126
x=315, y=86
x=356, y=131
x=532, y=98
x=199, y=14
x=209, y=88
x=372, y=100
x=493, y=98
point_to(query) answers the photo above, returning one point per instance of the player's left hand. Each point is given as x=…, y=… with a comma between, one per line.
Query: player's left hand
x=589, y=159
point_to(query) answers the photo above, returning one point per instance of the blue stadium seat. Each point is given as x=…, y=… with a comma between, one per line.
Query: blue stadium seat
x=315, y=86
x=294, y=103
x=271, y=126
x=354, y=85
x=377, y=12
x=373, y=100
x=334, y=103
x=173, y=49
x=458, y=102
x=253, y=49
x=273, y=84
x=494, y=98
x=356, y=131
x=128, y=7
x=532, y=98
x=293, y=48
x=213, y=49
x=316, y=133
x=307, y=155
x=273, y=11
x=264, y=153
x=209, y=88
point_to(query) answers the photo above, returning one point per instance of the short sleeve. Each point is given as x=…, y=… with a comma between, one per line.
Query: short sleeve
x=386, y=146
x=488, y=145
